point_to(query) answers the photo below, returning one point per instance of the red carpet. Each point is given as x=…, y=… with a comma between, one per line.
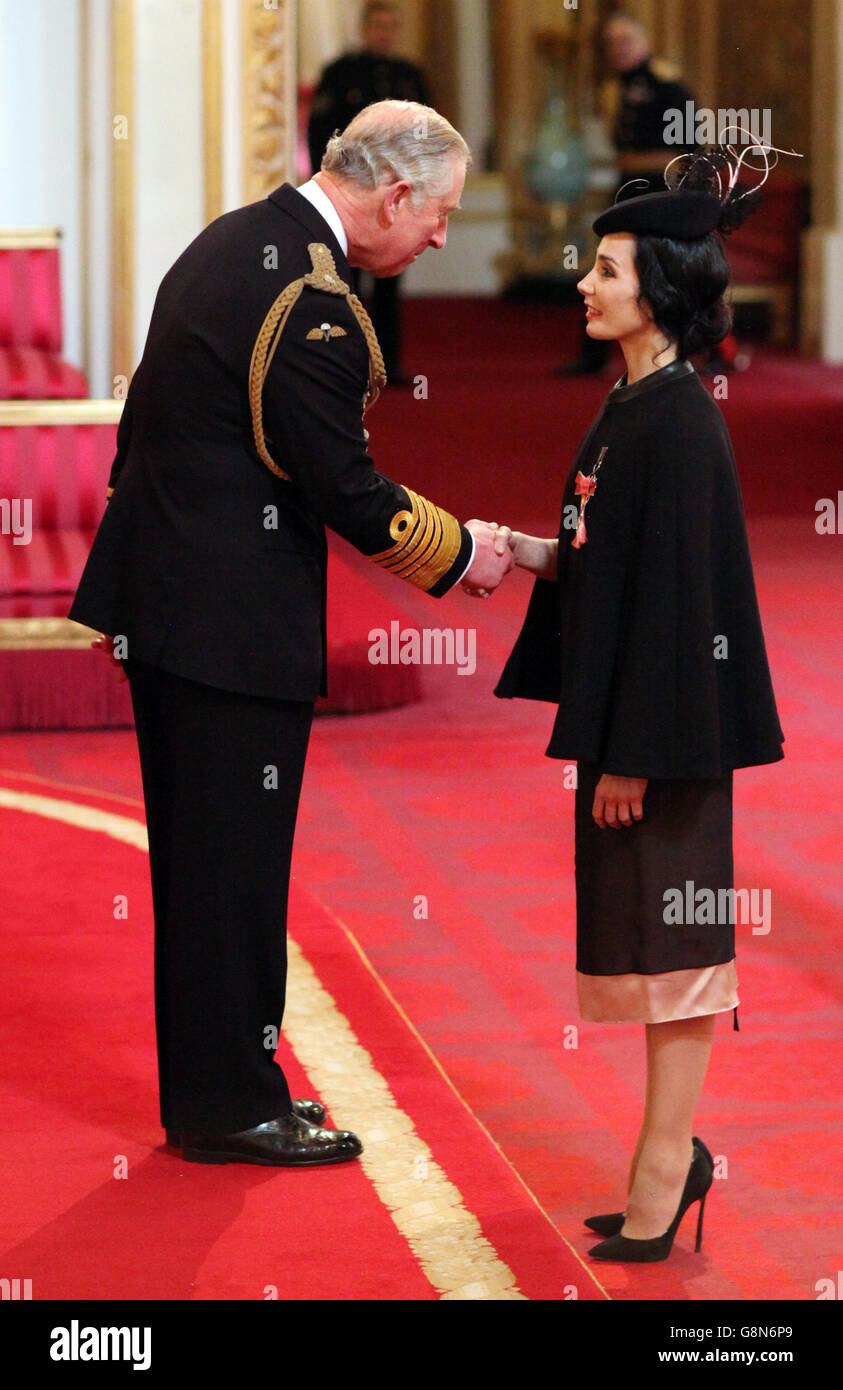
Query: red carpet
x=499, y=430
x=457, y=802
x=452, y=799
x=115, y=1215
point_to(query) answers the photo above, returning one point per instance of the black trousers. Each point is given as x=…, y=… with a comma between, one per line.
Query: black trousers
x=222, y=775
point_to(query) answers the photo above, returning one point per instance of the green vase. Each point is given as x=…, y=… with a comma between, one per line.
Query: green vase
x=557, y=167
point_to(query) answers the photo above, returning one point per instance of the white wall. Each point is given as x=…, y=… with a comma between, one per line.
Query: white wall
x=232, y=105
x=477, y=236
x=473, y=40
x=44, y=149
x=167, y=144
x=99, y=152
x=40, y=136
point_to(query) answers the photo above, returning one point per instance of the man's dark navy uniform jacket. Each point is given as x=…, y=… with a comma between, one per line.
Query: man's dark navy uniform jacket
x=186, y=564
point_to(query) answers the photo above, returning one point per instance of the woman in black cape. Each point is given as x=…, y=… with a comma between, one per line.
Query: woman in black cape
x=644, y=626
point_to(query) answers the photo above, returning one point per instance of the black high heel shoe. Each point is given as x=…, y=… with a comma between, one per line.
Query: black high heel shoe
x=608, y=1225
x=612, y=1222
x=699, y=1180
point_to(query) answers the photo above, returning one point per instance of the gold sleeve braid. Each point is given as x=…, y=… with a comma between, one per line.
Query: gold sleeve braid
x=427, y=542
x=322, y=277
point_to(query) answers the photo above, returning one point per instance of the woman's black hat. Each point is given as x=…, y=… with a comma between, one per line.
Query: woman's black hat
x=703, y=194
x=673, y=213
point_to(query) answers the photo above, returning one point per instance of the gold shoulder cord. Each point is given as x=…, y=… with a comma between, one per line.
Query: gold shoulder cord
x=322, y=277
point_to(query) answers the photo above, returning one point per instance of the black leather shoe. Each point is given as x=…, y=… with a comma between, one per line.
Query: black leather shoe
x=309, y=1110
x=612, y=1223
x=288, y=1141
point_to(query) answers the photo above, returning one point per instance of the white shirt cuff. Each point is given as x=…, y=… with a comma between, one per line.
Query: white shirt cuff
x=471, y=561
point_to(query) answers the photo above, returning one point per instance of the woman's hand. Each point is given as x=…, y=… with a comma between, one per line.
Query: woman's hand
x=618, y=801
x=535, y=554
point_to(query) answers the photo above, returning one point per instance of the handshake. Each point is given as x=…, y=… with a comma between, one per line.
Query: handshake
x=497, y=550
x=494, y=557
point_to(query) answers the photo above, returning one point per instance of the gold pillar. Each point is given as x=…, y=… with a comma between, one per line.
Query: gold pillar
x=645, y=11
x=826, y=95
x=826, y=201
x=211, y=22
x=122, y=189
x=701, y=52
x=670, y=31
x=440, y=64
x=413, y=30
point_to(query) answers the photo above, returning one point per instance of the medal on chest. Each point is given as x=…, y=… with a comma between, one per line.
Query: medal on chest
x=586, y=485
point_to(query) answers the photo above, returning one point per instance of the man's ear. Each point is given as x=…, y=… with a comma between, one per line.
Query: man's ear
x=395, y=194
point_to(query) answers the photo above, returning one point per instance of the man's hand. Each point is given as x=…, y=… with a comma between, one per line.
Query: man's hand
x=493, y=558
x=105, y=644
x=618, y=801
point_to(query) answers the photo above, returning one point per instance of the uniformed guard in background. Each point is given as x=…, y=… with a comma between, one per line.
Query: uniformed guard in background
x=634, y=103
x=241, y=439
x=347, y=85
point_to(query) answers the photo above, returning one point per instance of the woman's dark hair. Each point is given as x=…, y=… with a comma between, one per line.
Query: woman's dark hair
x=684, y=282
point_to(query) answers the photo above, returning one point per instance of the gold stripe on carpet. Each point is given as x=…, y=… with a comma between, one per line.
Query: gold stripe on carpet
x=131, y=832
x=427, y=1208
x=425, y=1046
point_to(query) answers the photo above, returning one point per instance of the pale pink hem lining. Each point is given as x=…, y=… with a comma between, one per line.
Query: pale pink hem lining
x=711, y=989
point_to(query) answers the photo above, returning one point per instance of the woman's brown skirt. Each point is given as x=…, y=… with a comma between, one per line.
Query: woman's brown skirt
x=655, y=917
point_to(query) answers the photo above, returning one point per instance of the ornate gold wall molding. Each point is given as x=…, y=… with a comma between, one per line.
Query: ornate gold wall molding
x=269, y=96
x=122, y=188
x=212, y=134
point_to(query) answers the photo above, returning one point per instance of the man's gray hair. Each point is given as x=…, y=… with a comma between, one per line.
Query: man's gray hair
x=393, y=140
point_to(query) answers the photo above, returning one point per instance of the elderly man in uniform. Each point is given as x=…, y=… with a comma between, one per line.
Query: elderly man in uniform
x=345, y=87
x=241, y=439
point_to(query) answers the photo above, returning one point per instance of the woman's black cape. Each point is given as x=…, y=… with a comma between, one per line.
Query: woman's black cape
x=651, y=640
